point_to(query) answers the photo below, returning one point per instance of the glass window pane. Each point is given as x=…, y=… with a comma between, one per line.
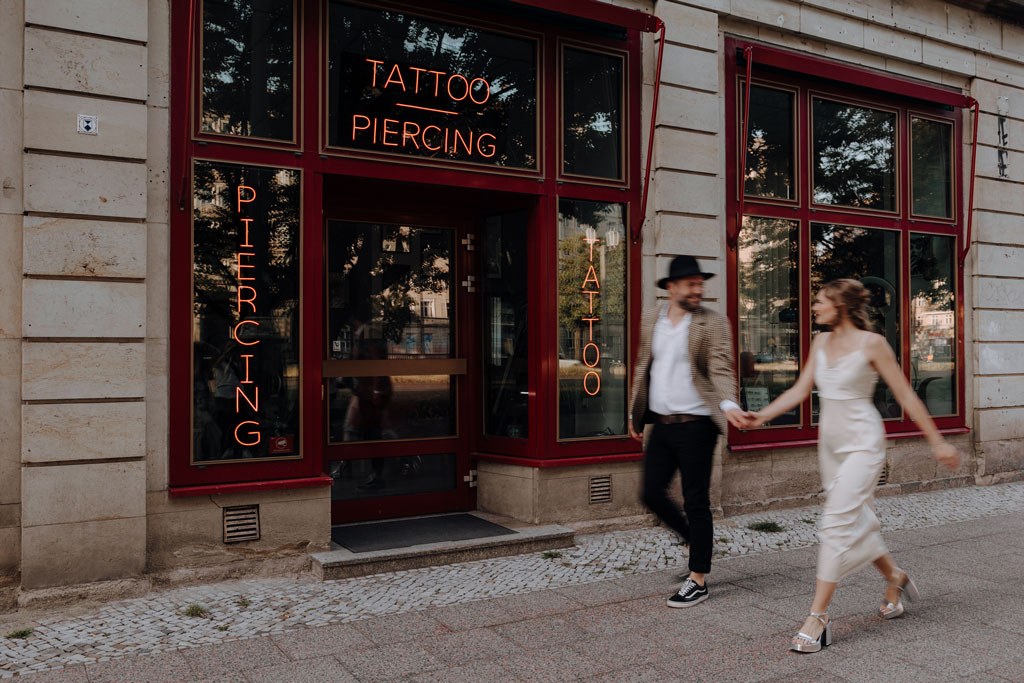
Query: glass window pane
x=392, y=476
x=591, y=319
x=873, y=257
x=505, y=339
x=389, y=298
x=391, y=408
x=933, y=322
x=592, y=113
x=770, y=148
x=931, y=167
x=245, y=312
x=854, y=156
x=248, y=66
x=402, y=84
x=769, y=329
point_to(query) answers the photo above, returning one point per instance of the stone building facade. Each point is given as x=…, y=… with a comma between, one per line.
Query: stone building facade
x=91, y=208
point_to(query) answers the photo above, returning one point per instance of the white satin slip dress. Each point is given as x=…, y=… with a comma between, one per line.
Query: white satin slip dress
x=851, y=455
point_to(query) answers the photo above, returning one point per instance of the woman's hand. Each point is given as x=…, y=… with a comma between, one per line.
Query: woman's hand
x=755, y=419
x=947, y=454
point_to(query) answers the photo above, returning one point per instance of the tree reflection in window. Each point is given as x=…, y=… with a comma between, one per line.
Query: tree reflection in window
x=248, y=64
x=854, y=156
x=592, y=113
x=271, y=340
x=770, y=148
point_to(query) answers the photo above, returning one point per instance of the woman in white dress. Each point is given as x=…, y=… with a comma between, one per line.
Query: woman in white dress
x=845, y=364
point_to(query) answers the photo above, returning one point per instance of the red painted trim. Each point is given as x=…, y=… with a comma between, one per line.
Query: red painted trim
x=970, y=201
x=598, y=11
x=642, y=214
x=856, y=76
x=544, y=463
x=733, y=237
x=249, y=486
x=803, y=443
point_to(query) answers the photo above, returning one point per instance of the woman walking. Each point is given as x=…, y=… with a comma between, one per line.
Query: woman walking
x=845, y=364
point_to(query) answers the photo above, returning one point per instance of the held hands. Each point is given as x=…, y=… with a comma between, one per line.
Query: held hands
x=947, y=455
x=744, y=419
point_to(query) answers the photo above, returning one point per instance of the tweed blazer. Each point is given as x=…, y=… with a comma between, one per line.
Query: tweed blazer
x=711, y=363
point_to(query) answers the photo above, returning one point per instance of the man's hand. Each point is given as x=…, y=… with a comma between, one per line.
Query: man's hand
x=738, y=418
x=633, y=435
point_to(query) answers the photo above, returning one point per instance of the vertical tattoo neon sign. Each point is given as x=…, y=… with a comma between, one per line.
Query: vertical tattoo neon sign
x=246, y=295
x=591, y=352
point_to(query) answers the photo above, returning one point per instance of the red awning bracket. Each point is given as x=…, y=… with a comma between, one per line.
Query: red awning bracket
x=659, y=26
x=973, y=104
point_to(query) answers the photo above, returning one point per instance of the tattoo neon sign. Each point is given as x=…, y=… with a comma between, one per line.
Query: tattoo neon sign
x=408, y=134
x=591, y=352
x=246, y=295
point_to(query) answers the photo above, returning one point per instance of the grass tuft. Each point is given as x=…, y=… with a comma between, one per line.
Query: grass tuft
x=196, y=610
x=552, y=554
x=243, y=601
x=766, y=526
x=21, y=633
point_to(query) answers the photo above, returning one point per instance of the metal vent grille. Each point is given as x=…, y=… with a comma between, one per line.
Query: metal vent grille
x=883, y=479
x=601, y=489
x=242, y=523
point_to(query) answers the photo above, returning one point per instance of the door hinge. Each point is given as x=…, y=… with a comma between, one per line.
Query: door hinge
x=470, y=479
x=467, y=241
x=469, y=282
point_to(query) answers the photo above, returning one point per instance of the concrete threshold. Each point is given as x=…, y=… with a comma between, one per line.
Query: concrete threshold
x=342, y=563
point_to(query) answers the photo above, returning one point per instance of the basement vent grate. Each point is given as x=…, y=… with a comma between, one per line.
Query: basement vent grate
x=601, y=489
x=242, y=523
x=883, y=479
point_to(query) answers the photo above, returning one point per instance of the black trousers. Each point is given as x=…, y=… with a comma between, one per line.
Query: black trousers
x=688, y=447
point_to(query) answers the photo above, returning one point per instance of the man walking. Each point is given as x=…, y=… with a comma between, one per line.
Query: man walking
x=684, y=386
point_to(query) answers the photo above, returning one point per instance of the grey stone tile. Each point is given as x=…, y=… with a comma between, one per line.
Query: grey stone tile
x=469, y=615
x=542, y=632
x=610, y=620
x=170, y=666
x=323, y=640
x=389, y=663
x=455, y=649
x=322, y=670
x=398, y=628
x=641, y=674
x=776, y=586
x=597, y=593
x=484, y=671
x=555, y=664
x=751, y=622
x=864, y=669
x=1010, y=671
x=225, y=659
x=812, y=674
x=945, y=658
x=536, y=604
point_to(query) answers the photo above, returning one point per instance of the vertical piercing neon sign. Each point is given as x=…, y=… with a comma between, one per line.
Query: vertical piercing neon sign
x=246, y=294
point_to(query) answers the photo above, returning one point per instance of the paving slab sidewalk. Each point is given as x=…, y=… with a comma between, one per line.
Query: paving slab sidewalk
x=539, y=624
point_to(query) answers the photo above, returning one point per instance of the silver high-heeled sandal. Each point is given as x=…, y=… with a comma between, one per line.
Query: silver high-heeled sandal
x=809, y=643
x=906, y=587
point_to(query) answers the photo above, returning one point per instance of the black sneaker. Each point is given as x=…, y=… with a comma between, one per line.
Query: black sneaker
x=689, y=594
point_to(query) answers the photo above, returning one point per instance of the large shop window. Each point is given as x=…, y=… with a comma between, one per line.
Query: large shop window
x=245, y=313
x=844, y=182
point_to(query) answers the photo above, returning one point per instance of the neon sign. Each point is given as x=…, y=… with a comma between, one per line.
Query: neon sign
x=413, y=135
x=246, y=294
x=591, y=379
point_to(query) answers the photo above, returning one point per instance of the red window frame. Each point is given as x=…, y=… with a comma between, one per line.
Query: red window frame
x=314, y=160
x=812, y=76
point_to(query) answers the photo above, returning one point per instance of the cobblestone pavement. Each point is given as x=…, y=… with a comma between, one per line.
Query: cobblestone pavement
x=245, y=622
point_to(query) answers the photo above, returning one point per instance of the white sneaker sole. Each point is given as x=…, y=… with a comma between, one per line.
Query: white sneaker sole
x=687, y=604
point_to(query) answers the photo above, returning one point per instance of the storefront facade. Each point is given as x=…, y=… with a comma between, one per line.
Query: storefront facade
x=295, y=264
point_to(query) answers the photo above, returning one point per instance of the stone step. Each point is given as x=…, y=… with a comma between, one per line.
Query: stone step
x=342, y=563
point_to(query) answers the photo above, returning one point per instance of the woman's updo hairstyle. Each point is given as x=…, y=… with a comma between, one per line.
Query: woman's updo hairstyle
x=851, y=296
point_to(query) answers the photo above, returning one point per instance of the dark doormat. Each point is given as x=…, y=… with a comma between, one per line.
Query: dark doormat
x=402, y=533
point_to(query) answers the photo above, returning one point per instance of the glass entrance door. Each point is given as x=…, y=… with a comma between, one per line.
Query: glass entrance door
x=394, y=376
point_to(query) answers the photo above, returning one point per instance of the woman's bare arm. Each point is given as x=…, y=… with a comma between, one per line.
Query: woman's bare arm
x=793, y=396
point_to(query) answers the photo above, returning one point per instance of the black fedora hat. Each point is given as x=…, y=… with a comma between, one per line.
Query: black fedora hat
x=683, y=266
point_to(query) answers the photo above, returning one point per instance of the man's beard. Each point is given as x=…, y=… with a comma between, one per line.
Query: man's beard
x=686, y=305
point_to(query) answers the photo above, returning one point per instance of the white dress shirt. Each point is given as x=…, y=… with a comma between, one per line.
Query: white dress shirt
x=671, y=388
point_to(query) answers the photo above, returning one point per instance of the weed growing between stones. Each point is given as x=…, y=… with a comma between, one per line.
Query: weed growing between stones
x=766, y=526
x=196, y=610
x=21, y=633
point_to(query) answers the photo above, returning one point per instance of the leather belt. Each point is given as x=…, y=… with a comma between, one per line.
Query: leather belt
x=679, y=418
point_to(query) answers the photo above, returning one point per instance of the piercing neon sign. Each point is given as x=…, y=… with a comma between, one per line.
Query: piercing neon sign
x=245, y=298
x=443, y=89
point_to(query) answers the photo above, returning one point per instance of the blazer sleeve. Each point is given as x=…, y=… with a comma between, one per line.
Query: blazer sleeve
x=721, y=368
x=638, y=390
